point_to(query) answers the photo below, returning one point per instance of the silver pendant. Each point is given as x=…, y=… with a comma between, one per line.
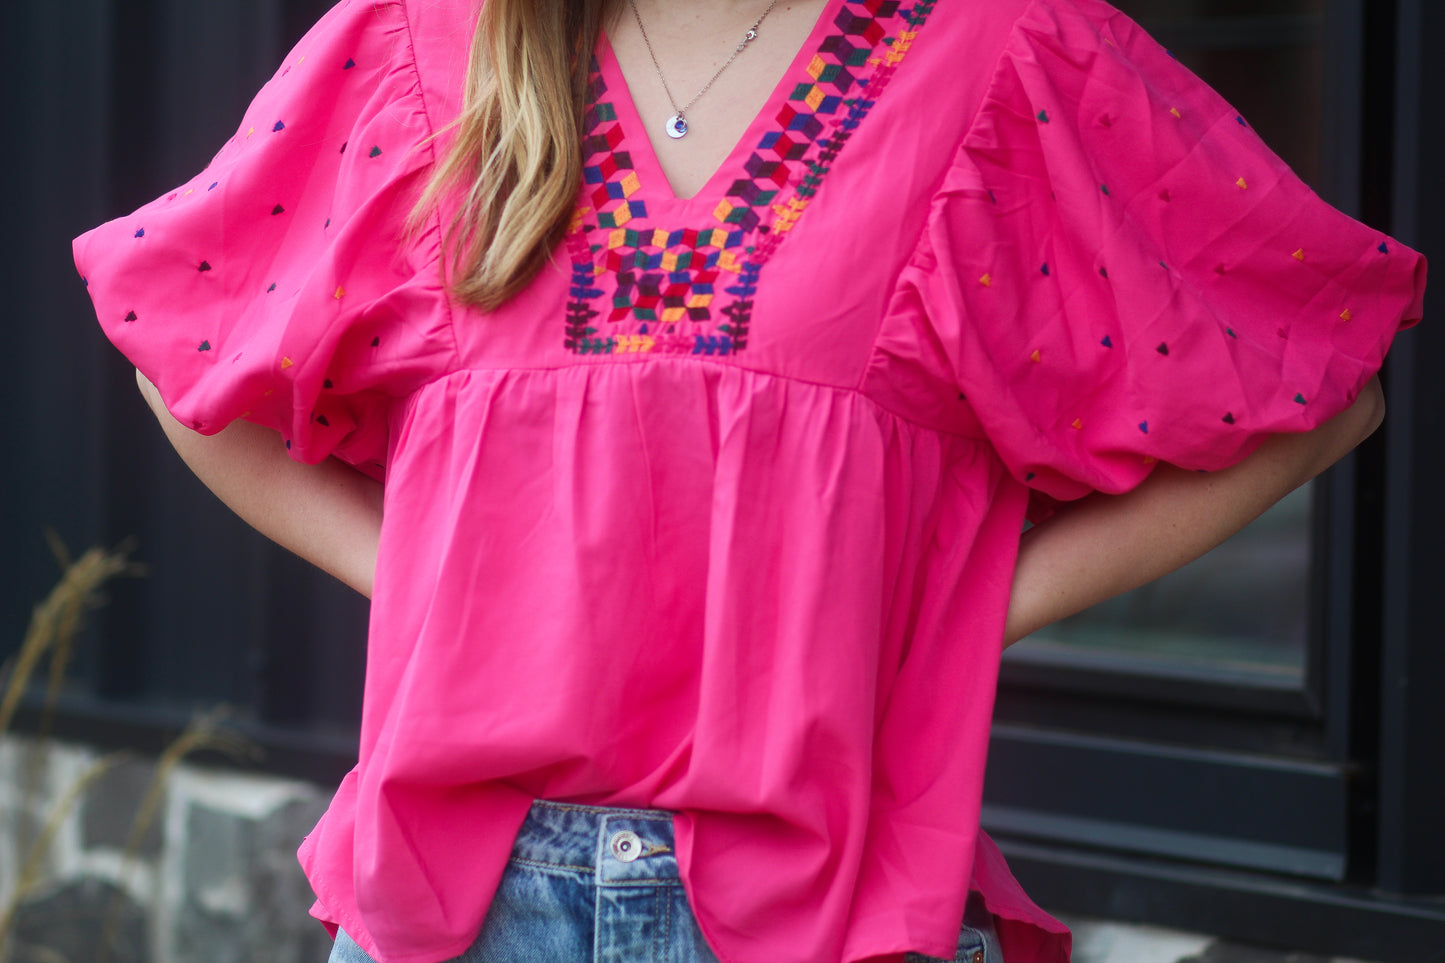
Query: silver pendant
x=676, y=126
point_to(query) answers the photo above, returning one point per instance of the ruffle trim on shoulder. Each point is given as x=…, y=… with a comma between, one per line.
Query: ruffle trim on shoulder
x=1123, y=273
x=278, y=285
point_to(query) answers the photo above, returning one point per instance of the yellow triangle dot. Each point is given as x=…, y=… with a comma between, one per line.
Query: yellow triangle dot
x=340, y=293
x=1035, y=356
x=1241, y=184
x=286, y=363
x=1345, y=315
x=250, y=132
x=1299, y=255
x=1078, y=423
x=986, y=281
x=1175, y=112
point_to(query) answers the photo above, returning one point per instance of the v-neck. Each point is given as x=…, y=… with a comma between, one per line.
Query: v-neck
x=655, y=183
x=653, y=273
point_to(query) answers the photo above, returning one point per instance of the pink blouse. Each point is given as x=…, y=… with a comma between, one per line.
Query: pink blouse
x=720, y=514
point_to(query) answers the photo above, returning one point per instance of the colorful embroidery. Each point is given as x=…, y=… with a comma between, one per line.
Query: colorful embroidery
x=638, y=286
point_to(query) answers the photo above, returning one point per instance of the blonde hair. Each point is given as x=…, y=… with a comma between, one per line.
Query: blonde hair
x=517, y=156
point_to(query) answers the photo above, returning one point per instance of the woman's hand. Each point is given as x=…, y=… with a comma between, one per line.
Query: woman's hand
x=1103, y=545
x=329, y=514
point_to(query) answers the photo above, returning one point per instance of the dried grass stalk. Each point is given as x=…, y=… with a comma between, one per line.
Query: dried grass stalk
x=31, y=871
x=55, y=621
x=203, y=733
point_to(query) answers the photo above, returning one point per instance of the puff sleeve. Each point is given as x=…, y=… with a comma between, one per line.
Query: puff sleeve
x=279, y=285
x=1123, y=273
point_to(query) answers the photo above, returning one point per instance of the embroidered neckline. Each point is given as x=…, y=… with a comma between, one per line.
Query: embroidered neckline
x=641, y=286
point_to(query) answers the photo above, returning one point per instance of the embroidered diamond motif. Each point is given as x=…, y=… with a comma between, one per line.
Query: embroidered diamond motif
x=638, y=286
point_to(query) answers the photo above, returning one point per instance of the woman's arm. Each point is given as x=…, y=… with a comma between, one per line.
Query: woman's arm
x=1103, y=545
x=329, y=514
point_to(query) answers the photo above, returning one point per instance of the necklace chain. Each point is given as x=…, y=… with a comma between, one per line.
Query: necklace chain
x=677, y=123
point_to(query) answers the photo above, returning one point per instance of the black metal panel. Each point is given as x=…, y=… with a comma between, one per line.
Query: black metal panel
x=1333, y=921
x=112, y=104
x=1226, y=808
x=53, y=68
x=1412, y=735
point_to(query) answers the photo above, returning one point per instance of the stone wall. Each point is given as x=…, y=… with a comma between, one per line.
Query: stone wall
x=215, y=878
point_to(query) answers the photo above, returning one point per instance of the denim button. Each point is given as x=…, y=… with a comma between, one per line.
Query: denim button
x=626, y=845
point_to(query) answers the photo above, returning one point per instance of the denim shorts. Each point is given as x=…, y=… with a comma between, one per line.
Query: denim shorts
x=590, y=884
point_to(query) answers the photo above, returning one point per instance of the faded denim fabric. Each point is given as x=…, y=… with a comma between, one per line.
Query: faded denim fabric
x=592, y=884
